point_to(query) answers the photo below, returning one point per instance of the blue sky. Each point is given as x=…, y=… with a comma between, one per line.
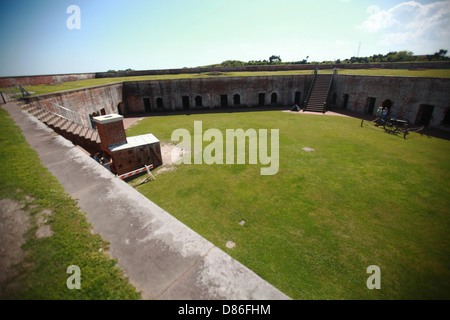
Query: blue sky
x=154, y=34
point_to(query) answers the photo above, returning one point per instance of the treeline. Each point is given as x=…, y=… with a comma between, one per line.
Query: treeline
x=111, y=70
x=393, y=56
x=400, y=56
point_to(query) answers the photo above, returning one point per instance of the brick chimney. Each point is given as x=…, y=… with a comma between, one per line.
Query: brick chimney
x=111, y=130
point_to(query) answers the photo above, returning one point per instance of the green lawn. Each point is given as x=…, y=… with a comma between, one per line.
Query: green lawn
x=42, y=89
x=42, y=275
x=363, y=198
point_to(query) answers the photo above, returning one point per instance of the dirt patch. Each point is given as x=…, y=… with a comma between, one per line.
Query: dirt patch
x=44, y=230
x=14, y=222
x=170, y=153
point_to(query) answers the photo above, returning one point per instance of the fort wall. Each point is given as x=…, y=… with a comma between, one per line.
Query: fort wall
x=43, y=79
x=58, y=78
x=290, y=67
x=408, y=97
x=214, y=93
x=103, y=99
x=403, y=95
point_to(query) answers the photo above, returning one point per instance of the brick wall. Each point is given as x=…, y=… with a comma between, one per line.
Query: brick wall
x=211, y=90
x=84, y=101
x=111, y=133
x=43, y=79
x=405, y=93
x=134, y=158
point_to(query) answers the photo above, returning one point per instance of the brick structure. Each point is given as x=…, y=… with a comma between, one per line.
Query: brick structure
x=137, y=152
x=111, y=130
x=127, y=154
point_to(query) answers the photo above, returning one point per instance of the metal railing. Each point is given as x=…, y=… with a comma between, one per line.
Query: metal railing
x=8, y=96
x=66, y=114
x=310, y=88
x=328, y=91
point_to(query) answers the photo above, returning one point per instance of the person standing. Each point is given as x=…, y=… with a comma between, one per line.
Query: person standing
x=385, y=112
x=379, y=112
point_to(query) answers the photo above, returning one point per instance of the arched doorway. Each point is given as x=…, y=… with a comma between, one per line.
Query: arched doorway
x=121, y=108
x=387, y=104
x=274, y=98
x=424, y=115
x=198, y=101
x=236, y=99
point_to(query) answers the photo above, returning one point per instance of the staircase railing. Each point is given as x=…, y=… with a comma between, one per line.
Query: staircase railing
x=310, y=89
x=328, y=91
x=67, y=114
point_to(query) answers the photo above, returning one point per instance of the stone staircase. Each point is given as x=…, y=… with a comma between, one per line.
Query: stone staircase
x=316, y=101
x=80, y=135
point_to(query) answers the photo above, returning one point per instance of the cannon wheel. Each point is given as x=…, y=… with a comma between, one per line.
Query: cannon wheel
x=389, y=127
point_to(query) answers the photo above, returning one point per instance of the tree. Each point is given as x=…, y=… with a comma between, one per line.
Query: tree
x=274, y=58
x=442, y=52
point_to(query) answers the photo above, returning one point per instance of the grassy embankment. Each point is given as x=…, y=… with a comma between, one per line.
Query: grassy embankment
x=42, y=89
x=42, y=273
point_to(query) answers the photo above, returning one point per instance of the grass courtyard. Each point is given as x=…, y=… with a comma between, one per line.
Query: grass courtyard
x=362, y=198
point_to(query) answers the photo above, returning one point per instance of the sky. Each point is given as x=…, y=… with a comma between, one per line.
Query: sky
x=38, y=36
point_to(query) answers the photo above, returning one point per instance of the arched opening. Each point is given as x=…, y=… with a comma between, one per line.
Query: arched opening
x=198, y=101
x=236, y=99
x=424, y=115
x=159, y=103
x=274, y=98
x=103, y=112
x=387, y=104
x=121, y=108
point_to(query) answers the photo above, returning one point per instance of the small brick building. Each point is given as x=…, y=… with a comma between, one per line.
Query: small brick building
x=130, y=153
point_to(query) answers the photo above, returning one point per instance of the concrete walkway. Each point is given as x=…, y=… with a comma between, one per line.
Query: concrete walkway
x=162, y=257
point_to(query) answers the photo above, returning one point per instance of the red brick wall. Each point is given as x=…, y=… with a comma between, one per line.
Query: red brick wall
x=44, y=79
x=111, y=133
x=84, y=101
x=134, y=158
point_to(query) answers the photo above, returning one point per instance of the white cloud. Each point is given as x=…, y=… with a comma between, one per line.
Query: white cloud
x=410, y=23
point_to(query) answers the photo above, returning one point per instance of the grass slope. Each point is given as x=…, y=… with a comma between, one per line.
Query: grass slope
x=42, y=89
x=363, y=198
x=43, y=273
